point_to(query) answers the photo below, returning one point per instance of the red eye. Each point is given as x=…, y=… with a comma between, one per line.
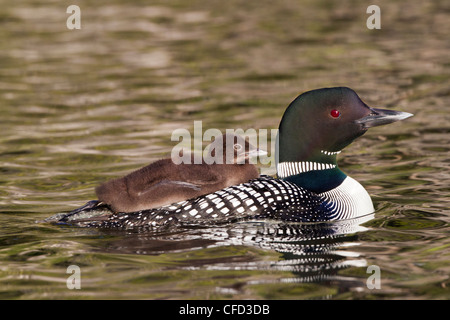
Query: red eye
x=335, y=113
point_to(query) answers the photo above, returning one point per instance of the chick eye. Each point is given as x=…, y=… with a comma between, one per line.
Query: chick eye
x=335, y=113
x=237, y=147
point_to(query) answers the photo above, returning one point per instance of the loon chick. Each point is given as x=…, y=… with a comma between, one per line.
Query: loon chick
x=164, y=182
x=310, y=187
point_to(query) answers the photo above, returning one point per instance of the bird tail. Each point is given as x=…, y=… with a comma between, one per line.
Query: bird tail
x=91, y=209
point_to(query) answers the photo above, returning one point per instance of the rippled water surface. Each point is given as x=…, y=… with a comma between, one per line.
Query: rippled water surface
x=79, y=107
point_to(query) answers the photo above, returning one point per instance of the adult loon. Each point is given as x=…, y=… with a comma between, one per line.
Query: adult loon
x=310, y=187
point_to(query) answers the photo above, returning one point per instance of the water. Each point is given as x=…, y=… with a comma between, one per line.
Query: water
x=81, y=106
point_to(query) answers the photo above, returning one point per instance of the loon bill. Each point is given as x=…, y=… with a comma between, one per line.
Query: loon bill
x=310, y=187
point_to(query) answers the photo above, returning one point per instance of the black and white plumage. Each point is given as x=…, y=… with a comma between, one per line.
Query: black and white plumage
x=310, y=187
x=264, y=198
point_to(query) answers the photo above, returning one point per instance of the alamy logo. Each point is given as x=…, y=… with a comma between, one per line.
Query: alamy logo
x=74, y=280
x=373, y=281
x=189, y=144
x=374, y=21
x=74, y=20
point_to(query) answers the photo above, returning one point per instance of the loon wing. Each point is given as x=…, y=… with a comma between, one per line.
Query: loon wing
x=170, y=184
x=261, y=198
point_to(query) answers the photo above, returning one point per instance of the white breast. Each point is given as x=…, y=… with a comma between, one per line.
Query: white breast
x=349, y=200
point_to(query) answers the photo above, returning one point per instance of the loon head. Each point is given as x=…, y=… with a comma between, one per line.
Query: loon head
x=232, y=149
x=316, y=126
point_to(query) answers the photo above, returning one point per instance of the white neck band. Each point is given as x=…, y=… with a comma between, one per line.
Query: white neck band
x=286, y=169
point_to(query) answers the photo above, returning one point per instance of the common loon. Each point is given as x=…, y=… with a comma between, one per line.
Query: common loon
x=310, y=187
x=163, y=182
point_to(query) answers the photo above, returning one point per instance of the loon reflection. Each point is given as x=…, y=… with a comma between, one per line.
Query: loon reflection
x=312, y=252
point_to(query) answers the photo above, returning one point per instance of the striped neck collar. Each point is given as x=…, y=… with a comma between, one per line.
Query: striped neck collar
x=286, y=169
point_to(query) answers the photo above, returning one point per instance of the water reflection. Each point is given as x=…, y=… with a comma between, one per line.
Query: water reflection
x=80, y=107
x=311, y=252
